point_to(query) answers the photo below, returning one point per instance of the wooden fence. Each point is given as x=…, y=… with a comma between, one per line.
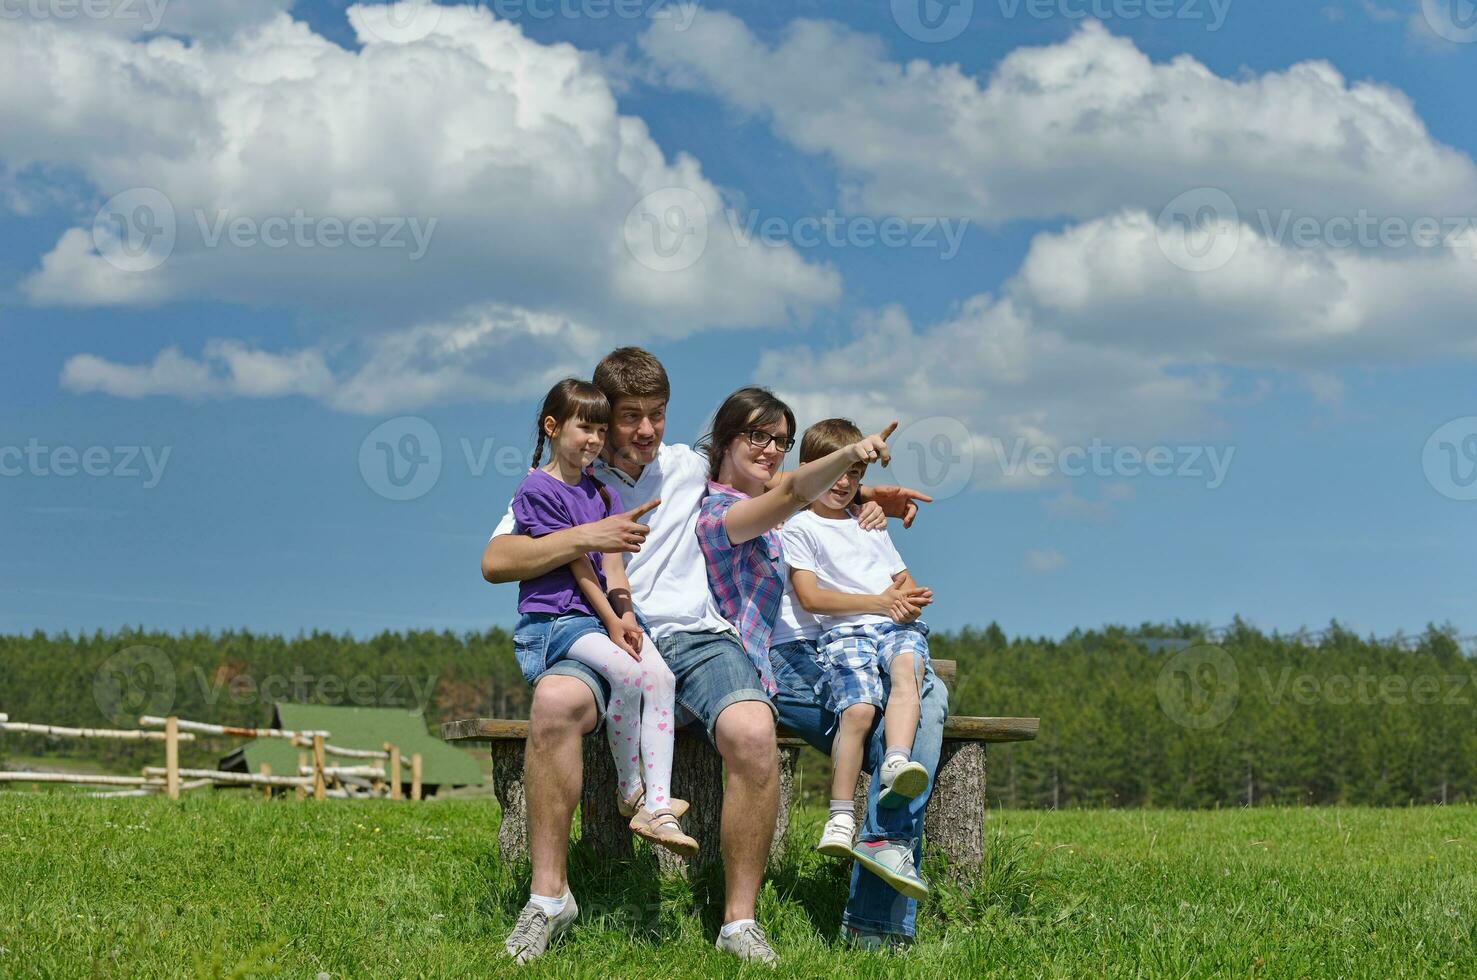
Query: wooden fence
x=314, y=774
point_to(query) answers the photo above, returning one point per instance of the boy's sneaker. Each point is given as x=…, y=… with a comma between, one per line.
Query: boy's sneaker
x=838, y=836
x=535, y=931
x=748, y=943
x=901, y=782
x=893, y=863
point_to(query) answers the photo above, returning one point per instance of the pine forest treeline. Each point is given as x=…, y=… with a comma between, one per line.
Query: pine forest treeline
x=1154, y=716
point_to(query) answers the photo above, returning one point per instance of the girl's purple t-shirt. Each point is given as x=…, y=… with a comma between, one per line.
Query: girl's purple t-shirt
x=545, y=504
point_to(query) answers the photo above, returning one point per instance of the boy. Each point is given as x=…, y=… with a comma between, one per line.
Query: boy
x=867, y=604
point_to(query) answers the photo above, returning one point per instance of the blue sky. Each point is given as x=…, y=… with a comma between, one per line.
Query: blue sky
x=1067, y=318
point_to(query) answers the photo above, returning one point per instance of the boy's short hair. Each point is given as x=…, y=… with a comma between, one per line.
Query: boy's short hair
x=827, y=436
x=632, y=372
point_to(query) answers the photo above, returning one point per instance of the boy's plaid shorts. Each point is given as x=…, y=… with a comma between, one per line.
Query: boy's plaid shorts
x=852, y=659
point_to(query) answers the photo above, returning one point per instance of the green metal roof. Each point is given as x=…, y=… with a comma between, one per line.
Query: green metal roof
x=355, y=727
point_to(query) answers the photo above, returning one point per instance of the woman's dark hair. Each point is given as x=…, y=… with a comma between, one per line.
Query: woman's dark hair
x=572, y=399
x=745, y=409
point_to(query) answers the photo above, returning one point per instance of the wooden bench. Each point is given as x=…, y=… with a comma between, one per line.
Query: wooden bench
x=953, y=825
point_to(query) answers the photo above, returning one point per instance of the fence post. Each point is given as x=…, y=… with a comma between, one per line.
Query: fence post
x=415, y=776
x=302, y=762
x=171, y=757
x=320, y=788
x=394, y=750
x=267, y=789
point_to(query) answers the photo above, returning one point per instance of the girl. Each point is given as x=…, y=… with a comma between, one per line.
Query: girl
x=583, y=611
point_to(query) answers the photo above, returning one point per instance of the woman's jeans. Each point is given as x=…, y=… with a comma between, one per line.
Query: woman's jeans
x=873, y=906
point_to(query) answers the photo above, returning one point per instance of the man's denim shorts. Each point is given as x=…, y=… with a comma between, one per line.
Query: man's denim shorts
x=712, y=673
x=541, y=642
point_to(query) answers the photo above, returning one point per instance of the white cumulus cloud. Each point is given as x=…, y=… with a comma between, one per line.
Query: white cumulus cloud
x=209, y=19
x=1075, y=129
x=485, y=353
x=478, y=165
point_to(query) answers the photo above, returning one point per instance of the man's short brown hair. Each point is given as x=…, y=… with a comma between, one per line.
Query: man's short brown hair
x=827, y=436
x=632, y=372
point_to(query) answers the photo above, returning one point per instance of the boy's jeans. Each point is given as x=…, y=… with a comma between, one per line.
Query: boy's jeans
x=873, y=905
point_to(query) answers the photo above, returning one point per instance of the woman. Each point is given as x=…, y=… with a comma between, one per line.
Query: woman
x=752, y=431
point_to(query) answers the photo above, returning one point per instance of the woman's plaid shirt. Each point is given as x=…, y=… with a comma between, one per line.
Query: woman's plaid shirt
x=747, y=580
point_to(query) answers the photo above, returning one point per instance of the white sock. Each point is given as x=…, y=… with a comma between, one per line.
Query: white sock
x=551, y=906
x=729, y=928
x=896, y=756
x=841, y=806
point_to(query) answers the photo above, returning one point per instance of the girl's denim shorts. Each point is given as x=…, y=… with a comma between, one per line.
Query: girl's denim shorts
x=542, y=640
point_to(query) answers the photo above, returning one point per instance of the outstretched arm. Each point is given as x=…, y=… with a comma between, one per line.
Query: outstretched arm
x=890, y=501
x=519, y=557
x=747, y=519
x=874, y=505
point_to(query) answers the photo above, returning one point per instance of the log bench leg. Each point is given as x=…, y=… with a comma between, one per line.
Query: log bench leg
x=602, y=828
x=788, y=755
x=697, y=777
x=507, y=786
x=954, y=824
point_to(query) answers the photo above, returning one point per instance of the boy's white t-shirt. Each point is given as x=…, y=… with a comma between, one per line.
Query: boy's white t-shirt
x=669, y=578
x=793, y=622
x=844, y=558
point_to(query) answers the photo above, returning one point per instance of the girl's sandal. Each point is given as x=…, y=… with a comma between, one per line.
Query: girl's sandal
x=661, y=827
x=630, y=807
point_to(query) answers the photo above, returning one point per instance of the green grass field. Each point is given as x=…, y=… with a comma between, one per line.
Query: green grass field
x=226, y=884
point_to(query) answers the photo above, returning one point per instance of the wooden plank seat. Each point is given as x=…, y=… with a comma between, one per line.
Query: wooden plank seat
x=953, y=826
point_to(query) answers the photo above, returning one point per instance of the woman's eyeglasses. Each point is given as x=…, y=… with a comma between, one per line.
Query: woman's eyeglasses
x=758, y=438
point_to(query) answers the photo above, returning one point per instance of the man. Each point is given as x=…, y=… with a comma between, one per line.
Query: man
x=717, y=685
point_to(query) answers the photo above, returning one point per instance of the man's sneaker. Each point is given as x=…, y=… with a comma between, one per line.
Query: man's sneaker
x=873, y=942
x=535, y=931
x=748, y=943
x=901, y=783
x=893, y=863
x=838, y=835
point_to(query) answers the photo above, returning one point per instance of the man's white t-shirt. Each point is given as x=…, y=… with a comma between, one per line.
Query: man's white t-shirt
x=669, y=579
x=844, y=558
